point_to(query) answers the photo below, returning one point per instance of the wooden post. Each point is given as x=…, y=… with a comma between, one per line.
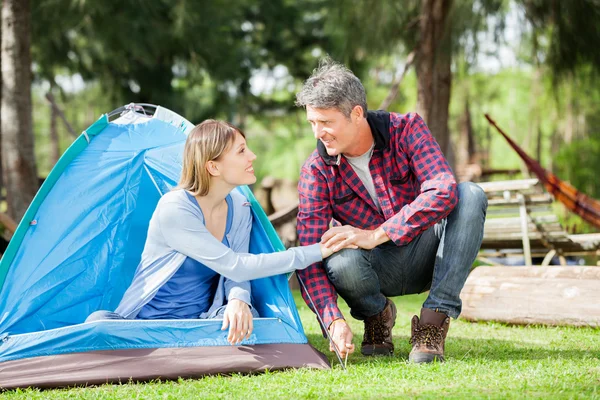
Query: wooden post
x=8, y=223
x=562, y=259
x=548, y=258
x=524, y=229
x=267, y=184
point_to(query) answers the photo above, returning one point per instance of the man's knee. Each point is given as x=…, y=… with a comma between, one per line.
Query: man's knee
x=471, y=197
x=345, y=266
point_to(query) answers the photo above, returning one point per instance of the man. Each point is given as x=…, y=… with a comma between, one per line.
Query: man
x=383, y=177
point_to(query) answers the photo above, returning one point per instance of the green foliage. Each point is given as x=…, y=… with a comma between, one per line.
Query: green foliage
x=281, y=144
x=369, y=28
x=571, y=30
x=197, y=59
x=155, y=51
x=502, y=96
x=579, y=163
x=81, y=109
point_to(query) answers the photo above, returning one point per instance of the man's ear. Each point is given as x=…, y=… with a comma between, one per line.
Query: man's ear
x=212, y=168
x=357, y=113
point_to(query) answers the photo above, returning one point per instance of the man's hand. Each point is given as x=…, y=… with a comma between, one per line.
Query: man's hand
x=346, y=236
x=341, y=336
x=239, y=319
x=327, y=251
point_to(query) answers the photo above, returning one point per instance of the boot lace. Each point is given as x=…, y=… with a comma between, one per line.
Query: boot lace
x=429, y=335
x=376, y=329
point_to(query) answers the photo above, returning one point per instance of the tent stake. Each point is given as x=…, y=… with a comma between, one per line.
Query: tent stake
x=333, y=345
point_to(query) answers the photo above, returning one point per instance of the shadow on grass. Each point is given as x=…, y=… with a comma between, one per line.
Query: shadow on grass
x=460, y=349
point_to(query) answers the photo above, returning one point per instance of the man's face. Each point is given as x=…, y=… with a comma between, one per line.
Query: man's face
x=337, y=132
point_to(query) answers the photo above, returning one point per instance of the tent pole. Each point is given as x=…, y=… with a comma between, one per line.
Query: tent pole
x=333, y=346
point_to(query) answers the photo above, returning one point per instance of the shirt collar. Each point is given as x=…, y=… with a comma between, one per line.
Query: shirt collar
x=379, y=122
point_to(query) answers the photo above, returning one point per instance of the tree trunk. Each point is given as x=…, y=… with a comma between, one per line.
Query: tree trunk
x=18, y=159
x=434, y=77
x=534, y=131
x=538, y=145
x=54, y=142
x=1, y=169
x=569, y=131
x=465, y=149
x=397, y=82
x=555, y=144
x=471, y=144
x=58, y=113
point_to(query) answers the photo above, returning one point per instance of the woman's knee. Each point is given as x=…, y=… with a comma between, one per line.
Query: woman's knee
x=102, y=315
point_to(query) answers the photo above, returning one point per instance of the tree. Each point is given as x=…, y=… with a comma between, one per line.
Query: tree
x=571, y=29
x=565, y=36
x=193, y=57
x=18, y=160
x=433, y=29
x=433, y=68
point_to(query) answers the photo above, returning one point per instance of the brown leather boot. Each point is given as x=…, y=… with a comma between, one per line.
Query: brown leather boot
x=377, y=339
x=428, y=336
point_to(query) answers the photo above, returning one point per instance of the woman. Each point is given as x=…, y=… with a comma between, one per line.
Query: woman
x=195, y=262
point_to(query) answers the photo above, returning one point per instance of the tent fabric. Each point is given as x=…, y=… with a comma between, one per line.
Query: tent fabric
x=167, y=363
x=80, y=241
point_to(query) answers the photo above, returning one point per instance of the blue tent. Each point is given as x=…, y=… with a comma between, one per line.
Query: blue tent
x=76, y=250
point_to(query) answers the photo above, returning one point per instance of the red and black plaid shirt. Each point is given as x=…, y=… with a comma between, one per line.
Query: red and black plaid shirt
x=414, y=185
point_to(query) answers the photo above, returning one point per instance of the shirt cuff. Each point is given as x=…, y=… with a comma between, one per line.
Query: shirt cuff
x=393, y=233
x=330, y=313
x=239, y=294
x=312, y=253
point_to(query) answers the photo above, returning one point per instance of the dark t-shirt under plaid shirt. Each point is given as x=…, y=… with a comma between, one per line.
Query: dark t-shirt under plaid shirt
x=413, y=182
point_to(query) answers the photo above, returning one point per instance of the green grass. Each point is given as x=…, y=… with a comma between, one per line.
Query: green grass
x=484, y=360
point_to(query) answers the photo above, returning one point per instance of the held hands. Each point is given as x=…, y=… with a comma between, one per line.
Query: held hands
x=327, y=251
x=239, y=319
x=340, y=237
x=341, y=336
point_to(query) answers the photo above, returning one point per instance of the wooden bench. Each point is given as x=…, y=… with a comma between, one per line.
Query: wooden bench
x=520, y=220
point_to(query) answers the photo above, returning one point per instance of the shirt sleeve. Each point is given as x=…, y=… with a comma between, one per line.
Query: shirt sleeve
x=185, y=233
x=314, y=216
x=438, y=194
x=241, y=244
x=238, y=290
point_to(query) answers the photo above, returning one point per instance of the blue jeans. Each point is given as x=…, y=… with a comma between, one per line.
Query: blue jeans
x=438, y=260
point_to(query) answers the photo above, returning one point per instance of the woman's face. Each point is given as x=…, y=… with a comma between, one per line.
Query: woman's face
x=235, y=164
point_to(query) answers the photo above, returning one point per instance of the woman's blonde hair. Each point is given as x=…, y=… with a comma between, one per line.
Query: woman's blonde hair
x=206, y=142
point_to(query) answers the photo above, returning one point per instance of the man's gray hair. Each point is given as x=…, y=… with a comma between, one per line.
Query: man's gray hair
x=332, y=85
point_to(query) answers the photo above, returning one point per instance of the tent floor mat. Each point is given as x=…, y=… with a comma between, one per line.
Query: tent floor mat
x=140, y=365
x=533, y=295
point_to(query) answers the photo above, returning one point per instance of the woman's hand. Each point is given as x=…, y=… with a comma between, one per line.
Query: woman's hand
x=239, y=319
x=327, y=251
x=349, y=237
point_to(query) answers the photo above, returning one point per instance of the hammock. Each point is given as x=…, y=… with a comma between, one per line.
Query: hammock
x=577, y=202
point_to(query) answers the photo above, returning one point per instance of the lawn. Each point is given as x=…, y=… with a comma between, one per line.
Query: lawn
x=484, y=360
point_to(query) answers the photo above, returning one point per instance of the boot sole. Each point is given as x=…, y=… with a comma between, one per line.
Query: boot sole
x=376, y=352
x=424, y=358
